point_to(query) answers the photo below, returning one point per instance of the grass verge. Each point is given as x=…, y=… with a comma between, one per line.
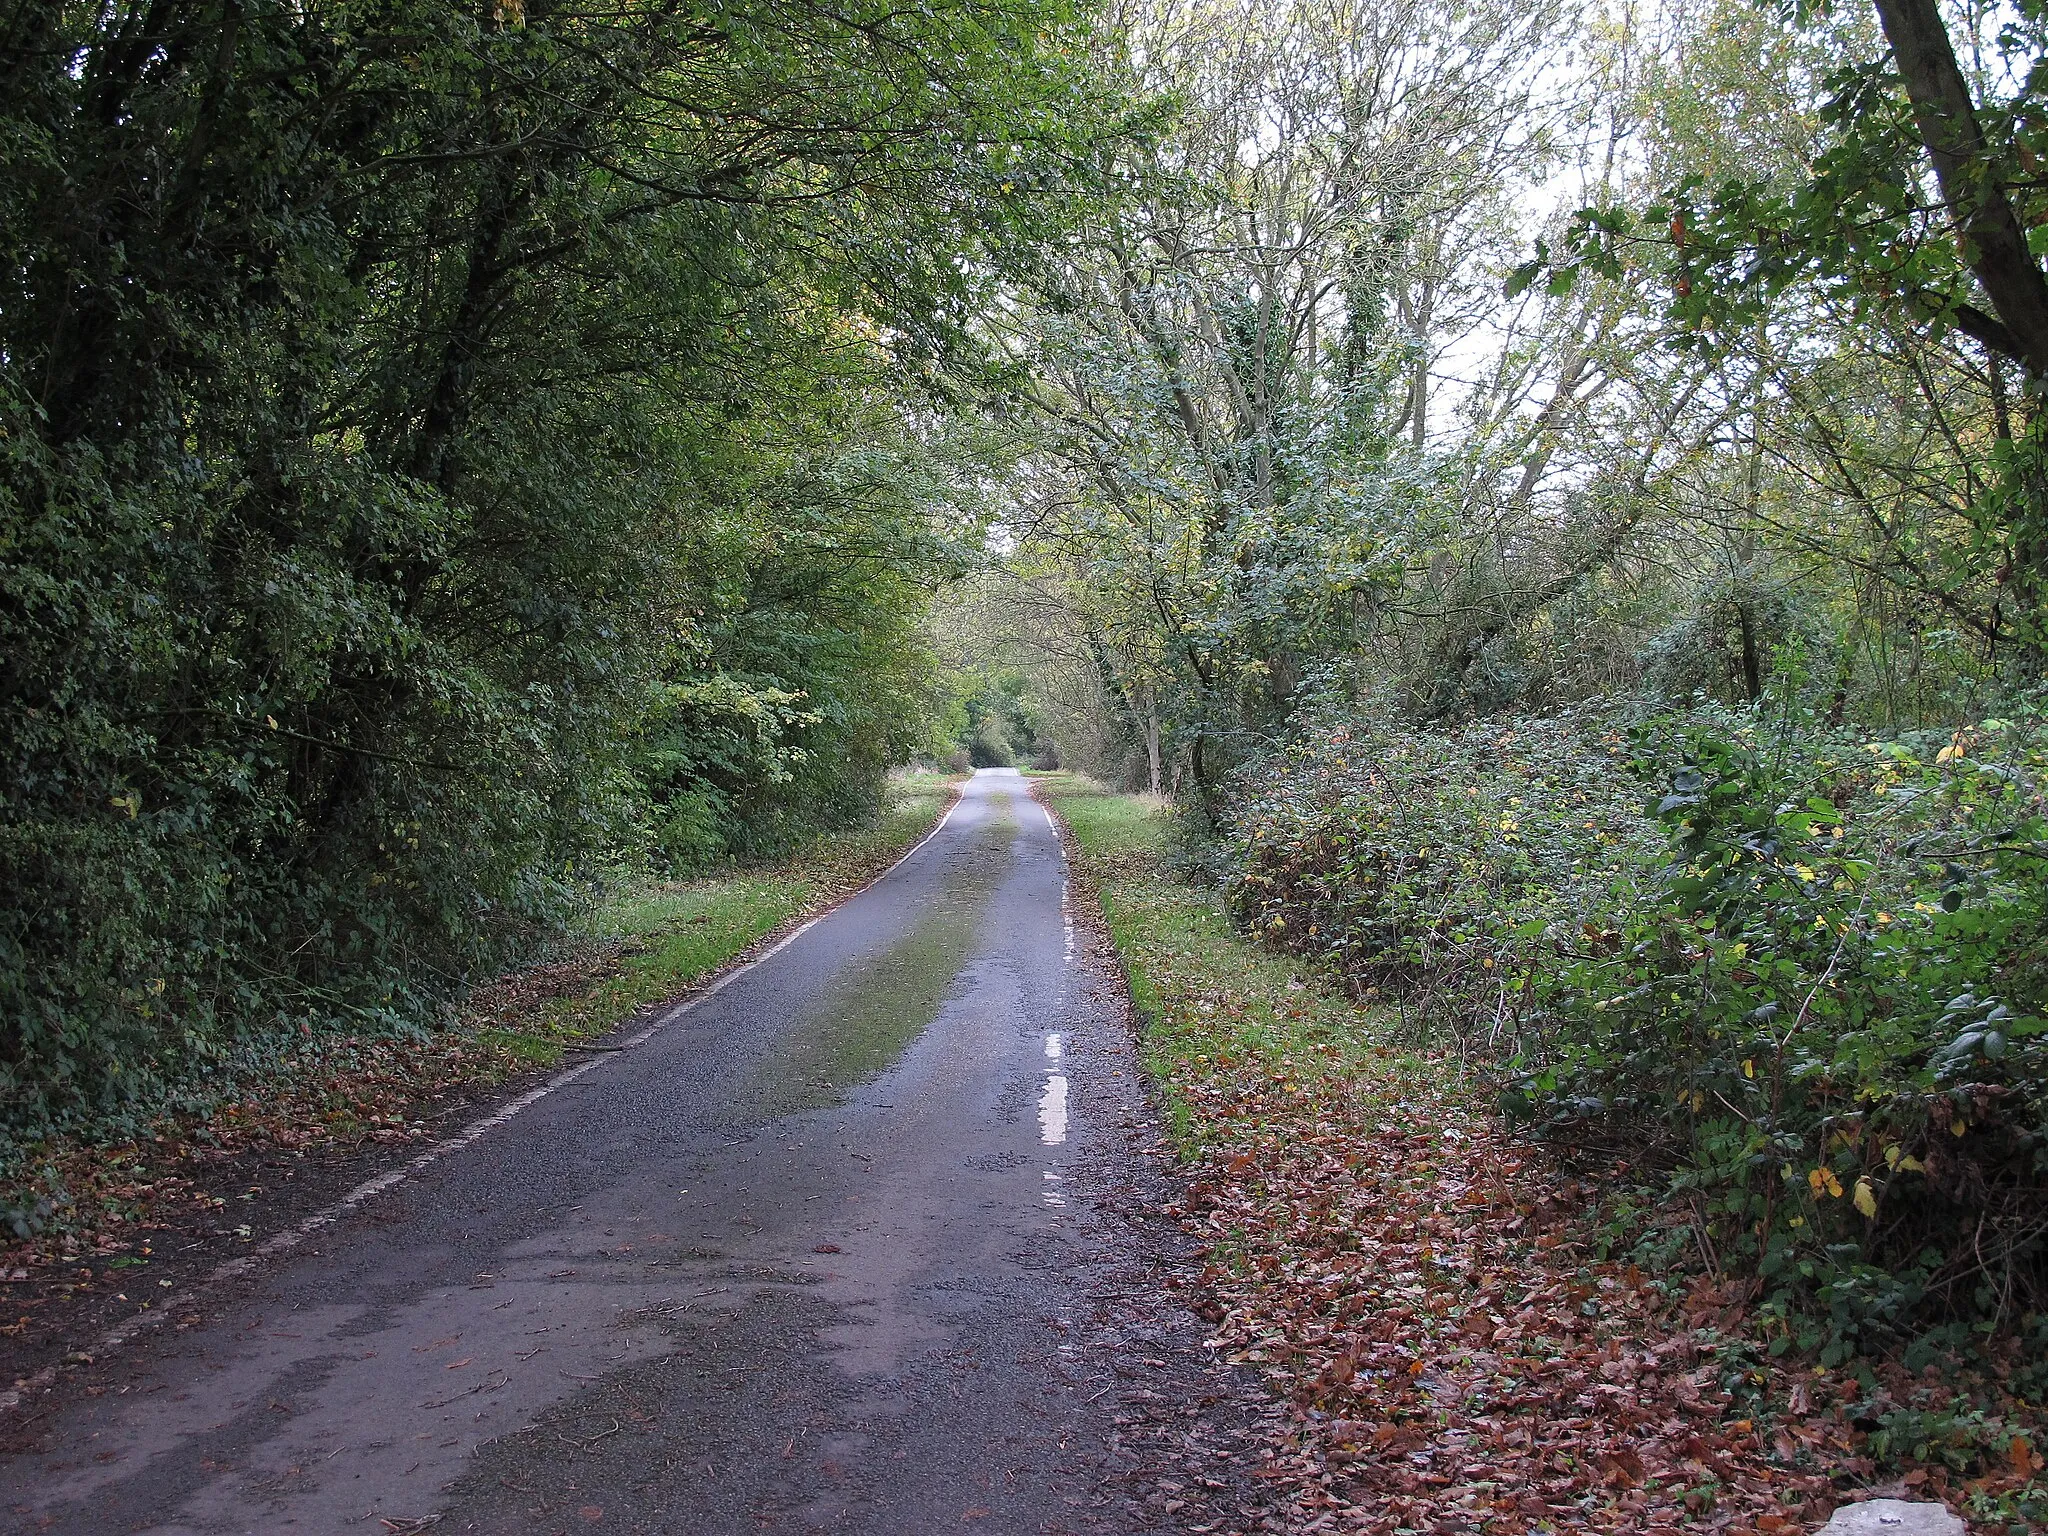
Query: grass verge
x=91, y=1218
x=1453, y=1318
x=653, y=942
x=1215, y=1007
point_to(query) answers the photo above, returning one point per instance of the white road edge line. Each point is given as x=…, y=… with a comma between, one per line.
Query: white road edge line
x=369, y=1189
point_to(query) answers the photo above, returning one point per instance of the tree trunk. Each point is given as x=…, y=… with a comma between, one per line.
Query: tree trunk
x=1752, y=660
x=1988, y=230
x=1418, y=320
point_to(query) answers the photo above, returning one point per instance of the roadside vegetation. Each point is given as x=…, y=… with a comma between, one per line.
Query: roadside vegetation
x=450, y=453
x=81, y=1207
x=1554, y=497
x=1555, y=500
x=1800, y=984
x=1463, y=1315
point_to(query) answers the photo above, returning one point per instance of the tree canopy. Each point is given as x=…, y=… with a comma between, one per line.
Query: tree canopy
x=442, y=438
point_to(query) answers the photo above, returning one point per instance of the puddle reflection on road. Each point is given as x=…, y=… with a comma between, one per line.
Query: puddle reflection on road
x=864, y=1018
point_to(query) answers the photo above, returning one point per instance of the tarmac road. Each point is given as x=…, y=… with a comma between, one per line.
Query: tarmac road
x=848, y=1245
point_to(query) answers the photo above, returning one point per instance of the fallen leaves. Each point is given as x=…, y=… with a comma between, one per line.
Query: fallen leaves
x=1422, y=1289
x=1427, y=1293
x=1449, y=1354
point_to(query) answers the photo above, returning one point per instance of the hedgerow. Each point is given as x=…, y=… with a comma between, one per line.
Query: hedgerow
x=421, y=496
x=1409, y=861
x=1798, y=977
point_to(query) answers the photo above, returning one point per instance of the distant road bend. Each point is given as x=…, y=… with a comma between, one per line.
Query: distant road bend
x=822, y=1253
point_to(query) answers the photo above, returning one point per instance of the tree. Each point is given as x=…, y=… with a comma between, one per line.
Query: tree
x=378, y=384
x=1238, y=368
x=1911, y=214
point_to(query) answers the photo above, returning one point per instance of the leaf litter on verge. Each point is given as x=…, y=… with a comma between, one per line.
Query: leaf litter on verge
x=1421, y=1288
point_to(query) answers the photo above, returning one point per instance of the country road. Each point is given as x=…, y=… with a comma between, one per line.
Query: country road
x=858, y=1242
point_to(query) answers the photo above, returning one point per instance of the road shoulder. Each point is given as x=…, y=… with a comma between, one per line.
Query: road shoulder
x=1428, y=1298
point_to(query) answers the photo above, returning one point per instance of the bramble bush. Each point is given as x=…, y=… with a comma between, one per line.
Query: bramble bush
x=1827, y=1020
x=1407, y=861
x=1803, y=984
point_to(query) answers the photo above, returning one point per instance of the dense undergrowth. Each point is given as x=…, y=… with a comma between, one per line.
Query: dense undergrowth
x=1459, y=1316
x=1796, y=978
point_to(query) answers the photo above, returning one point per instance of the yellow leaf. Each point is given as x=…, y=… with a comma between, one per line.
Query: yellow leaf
x=1866, y=1199
x=1749, y=1069
x=1817, y=1180
x=1957, y=1127
x=1912, y=1165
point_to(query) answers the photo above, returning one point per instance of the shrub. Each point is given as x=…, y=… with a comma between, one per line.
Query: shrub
x=1408, y=860
x=1827, y=1018
x=1803, y=984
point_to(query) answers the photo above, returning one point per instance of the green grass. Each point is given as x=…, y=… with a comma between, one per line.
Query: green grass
x=652, y=942
x=1213, y=1004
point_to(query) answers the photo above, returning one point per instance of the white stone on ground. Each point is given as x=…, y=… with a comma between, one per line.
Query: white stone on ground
x=1893, y=1517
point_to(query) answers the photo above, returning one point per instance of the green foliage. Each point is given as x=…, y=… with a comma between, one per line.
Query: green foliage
x=1722, y=647
x=1935, y=1429
x=991, y=721
x=807, y=675
x=1863, y=238
x=1829, y=1014
x=444, y=447
x=1414, y=861
x=1808, y=984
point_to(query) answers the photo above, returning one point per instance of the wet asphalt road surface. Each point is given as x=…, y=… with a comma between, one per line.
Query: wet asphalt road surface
x=858, y=1243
